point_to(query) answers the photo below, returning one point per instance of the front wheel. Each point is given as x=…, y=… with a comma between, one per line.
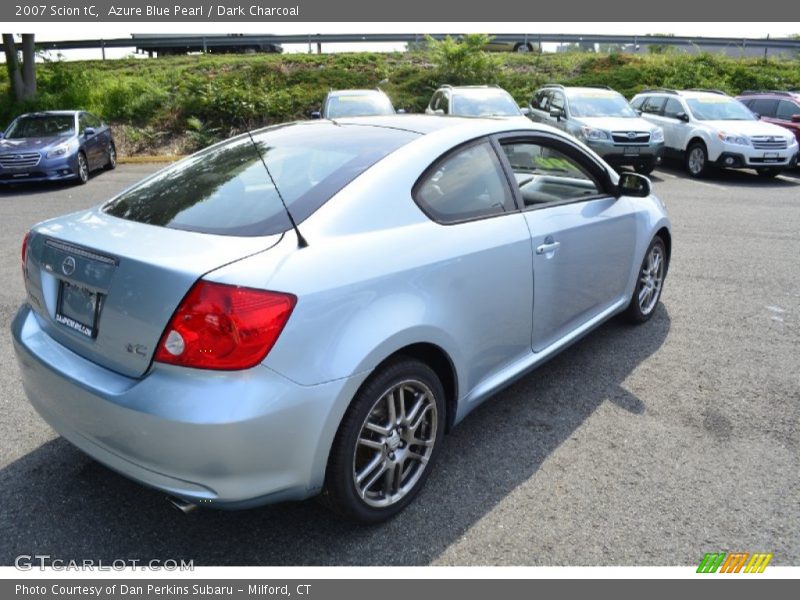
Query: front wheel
x=649, y=283
x=386, y=443
x=697, y=160
x=83, y=169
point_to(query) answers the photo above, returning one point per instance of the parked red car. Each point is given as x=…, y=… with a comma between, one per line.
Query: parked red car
x=781, y=108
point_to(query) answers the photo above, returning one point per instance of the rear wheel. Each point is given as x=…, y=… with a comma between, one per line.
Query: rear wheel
x=768, y=172
x=386, y=443
x=112, y=157
x=523, y=48
x=83, y=168
x=649, y=283
x=697, y=160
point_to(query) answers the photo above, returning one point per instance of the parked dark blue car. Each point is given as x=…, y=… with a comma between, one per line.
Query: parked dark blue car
x=55, y=145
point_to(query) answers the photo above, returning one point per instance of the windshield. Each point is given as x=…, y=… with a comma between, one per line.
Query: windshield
x=226, y=190
x=600, y=104
x=38, y=126
x=719, y=108
x=358, y=105
x=484, y=103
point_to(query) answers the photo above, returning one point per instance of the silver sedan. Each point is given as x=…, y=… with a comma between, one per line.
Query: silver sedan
x=309, y=308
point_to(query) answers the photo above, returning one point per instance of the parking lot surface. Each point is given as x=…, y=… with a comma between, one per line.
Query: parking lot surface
x=642, y=445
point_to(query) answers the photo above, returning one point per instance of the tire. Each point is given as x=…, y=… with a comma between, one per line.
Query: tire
x=523, y=48
x=697, y=160
x=112, y=157
x=643, y=304
x=768, y=172
x=644, y=168
x=375, y=469
x=83, y=169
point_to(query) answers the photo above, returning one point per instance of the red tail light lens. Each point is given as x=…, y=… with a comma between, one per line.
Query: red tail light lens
x=224, y=327
x=25, y=250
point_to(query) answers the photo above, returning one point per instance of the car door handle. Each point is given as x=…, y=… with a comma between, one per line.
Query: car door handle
x=544, y=248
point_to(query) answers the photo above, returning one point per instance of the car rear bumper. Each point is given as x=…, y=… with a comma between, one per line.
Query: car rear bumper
x=226, y=439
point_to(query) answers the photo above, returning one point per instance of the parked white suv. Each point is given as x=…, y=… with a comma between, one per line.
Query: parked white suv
x=709, y=128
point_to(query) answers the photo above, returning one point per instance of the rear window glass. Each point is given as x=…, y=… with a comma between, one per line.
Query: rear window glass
x=484, y=103
x=358, y=105
x=226, y=189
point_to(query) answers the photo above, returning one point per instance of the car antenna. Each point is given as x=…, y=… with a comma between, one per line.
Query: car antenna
x=301, y=241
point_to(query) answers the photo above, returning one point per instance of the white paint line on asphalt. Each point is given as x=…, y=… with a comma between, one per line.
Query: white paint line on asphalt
x=711, y=185
x=670, y=175
x=789, y=179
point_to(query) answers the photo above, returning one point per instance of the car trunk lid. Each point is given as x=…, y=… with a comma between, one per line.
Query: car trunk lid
x=106, y=287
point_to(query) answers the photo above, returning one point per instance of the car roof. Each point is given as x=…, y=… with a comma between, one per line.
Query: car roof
x=335, y=93
x=419, y=123
x=47, y=113
x=684, y=93
x=771, y=94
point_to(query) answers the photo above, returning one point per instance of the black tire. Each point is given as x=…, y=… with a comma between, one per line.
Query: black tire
x=697, y=160
x=644, y=168
x=350, y=456
x=111, y=164
x=768, y=172
x=83, y=169
x=523, y=48
x=638, y=311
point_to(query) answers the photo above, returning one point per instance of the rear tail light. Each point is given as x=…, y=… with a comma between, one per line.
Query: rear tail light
x=224, y=327
x=25, y=250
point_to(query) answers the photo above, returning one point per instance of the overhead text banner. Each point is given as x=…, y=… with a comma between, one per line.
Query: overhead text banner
x=268, y=11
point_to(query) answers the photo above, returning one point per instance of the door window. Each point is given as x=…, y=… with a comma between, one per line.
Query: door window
x=653, y=104
x=672, y=108
x=764, y=107
x=545, y=175
x=786, y=110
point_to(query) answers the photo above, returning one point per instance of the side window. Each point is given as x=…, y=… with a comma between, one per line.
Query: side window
x=653, y=105
x=786, y=109
x=672, y=108
x=82, y=123
x=764, y=107
x=92, y=121
x=546, y=175
x=444, y=103
x=542, y=100
x=435, y=100
x=466, y=184
x=557, y=101
x=636, y=103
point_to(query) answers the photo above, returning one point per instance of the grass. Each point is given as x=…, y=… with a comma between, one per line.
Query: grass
x=177, y=104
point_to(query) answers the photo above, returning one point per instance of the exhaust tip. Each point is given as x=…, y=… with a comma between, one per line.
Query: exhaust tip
x=182, y=505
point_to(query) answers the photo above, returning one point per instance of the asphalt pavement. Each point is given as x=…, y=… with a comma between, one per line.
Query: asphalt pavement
x=647, y=445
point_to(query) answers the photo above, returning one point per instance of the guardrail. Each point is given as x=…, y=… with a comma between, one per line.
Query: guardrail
x=147, y=43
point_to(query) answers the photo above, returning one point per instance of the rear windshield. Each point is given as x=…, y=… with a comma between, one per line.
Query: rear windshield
x=358, y=105
x=484, y=103
x=226, y=189
x=37, y=126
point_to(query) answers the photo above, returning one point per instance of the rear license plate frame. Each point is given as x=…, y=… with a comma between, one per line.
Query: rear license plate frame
x=82, y=319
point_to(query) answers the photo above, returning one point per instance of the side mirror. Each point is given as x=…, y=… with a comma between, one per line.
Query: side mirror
x=401, y=111
x=525, y=110
x=757, y=115
x=795, y=119
x=682, y=116
x=557, y=113
x=315, y=114
x=634, y=185
x=88, y=131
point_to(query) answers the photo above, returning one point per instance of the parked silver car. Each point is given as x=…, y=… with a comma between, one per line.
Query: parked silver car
x=310, y=309
x=602, y=119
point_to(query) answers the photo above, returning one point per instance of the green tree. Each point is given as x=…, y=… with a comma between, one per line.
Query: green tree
x=464, y=60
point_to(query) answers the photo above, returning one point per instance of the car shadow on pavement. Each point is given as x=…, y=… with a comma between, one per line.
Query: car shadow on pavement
x=57, y=501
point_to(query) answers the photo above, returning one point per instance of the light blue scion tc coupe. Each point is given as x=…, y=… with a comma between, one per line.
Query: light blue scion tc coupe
x=308, y=309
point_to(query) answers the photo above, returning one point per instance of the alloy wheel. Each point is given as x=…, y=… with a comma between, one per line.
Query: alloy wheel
x=395, y=443
x=651, y=280
x=697, y=160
